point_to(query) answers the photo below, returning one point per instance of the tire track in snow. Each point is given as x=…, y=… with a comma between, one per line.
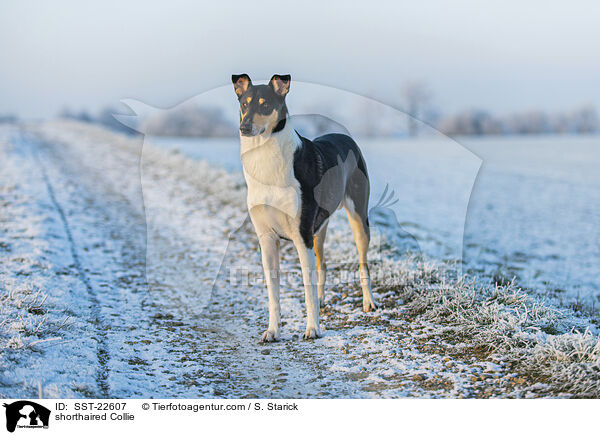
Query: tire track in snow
x=102, y=352
x=146, y=340
x=215, y=353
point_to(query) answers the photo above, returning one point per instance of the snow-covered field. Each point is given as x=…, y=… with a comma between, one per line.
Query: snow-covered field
x=130, y=272
x=515, y=206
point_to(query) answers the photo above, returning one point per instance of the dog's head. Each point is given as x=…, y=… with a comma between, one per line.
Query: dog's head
x=262, y=107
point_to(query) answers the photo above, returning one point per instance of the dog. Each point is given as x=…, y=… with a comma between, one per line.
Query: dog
x=294, y=186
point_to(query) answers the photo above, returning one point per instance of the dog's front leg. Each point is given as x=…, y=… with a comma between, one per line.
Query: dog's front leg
x=269, y=248
x=309, y=276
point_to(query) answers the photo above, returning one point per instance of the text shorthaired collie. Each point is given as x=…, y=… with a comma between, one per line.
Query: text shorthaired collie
x=294, y=186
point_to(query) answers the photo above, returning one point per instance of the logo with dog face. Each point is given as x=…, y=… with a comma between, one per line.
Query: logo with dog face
x=25, y=414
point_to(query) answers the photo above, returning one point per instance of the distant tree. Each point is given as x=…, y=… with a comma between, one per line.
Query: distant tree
x=65, y=113
x=530, y=122
x=559, y=123
x=416, y=96
x=82, y=115
x=431, y=116
x=585, y=119
x=470, y=122
x=8, y=118
x=368, y=115
x=190, y=120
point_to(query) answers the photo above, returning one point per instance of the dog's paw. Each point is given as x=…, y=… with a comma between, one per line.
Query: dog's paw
x=311, y=333
x=369, y=305
x=269, y=336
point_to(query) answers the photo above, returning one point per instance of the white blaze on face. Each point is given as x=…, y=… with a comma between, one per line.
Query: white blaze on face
x=264, y=124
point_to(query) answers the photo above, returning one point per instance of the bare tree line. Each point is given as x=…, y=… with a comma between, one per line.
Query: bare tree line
x=417, y=99
x=370, y=118
x=580, y=120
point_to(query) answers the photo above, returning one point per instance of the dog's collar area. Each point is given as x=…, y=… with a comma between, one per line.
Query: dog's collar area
x=280, y=125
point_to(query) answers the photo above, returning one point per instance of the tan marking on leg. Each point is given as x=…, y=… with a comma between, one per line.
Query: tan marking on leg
x=319, y=242
x=361, y=238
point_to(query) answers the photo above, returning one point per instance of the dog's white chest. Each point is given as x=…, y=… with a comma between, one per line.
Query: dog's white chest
x=269, y=172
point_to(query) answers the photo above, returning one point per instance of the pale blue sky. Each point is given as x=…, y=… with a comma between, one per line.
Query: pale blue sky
x=501, y=55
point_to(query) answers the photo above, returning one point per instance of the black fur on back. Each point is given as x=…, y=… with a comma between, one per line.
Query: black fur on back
x=311, y=161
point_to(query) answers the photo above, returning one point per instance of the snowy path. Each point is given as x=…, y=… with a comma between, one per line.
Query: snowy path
x=133, y=308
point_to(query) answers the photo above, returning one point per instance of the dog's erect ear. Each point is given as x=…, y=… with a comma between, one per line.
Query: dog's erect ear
x=241, y=83
x=281, y=84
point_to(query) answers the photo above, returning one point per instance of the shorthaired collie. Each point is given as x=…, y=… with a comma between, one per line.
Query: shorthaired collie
x=294, y=186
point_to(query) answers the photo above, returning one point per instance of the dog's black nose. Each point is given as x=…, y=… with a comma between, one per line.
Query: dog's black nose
x=245, y=129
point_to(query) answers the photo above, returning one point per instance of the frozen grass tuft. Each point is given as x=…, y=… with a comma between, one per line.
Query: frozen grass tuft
x=550, y=346
x=539, y=341
x=24, y=323
x=500, y=322
x=24, y=304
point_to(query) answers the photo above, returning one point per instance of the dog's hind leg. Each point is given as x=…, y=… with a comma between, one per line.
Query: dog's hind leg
x=269, y=249
x=309, y=275
x=356, y=205
x=319, y=241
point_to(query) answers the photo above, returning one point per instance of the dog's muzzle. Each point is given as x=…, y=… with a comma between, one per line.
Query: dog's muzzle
x=248, y=130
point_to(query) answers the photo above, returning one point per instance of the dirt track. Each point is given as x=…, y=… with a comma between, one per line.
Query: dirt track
x=150, y=317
